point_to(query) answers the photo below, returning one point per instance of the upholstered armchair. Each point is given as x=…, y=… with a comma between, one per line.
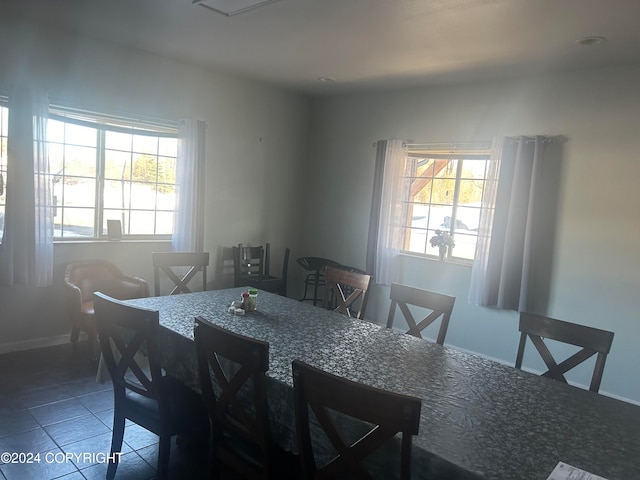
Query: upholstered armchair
x=82, y=278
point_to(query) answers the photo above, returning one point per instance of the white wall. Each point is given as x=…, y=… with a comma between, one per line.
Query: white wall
x=256, y=138
x=595, y=279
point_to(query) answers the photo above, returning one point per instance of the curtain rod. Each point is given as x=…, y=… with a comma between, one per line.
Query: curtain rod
x=451, y=145
x=477, y=144
x=445, y=145
x=531, y=138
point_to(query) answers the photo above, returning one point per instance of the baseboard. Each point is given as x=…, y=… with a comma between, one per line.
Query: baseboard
x=36, y=343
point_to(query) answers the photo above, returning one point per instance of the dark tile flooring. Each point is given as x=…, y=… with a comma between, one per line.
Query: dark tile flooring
x=51, y=405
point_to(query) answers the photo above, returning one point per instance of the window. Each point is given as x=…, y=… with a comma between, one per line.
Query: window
x=4, y=133
x=445, y=193
x=106, y=168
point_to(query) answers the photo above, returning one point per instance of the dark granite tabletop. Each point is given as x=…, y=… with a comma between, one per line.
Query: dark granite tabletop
x=480, y=419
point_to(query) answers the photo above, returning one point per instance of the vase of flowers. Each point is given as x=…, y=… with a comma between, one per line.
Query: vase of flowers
x=442, y=240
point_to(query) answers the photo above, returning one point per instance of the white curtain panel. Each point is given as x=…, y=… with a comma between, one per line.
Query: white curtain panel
x=188, y=233
x=393, y=207
x=478, y=293
x=43, y=268
x=26, y=255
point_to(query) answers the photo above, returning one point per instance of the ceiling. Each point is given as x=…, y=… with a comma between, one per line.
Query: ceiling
x=358, y=44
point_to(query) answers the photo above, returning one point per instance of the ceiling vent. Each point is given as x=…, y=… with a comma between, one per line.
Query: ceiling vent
x=232, y=7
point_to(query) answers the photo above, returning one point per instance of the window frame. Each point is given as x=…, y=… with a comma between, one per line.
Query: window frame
x=450, y=152
x=103, y=123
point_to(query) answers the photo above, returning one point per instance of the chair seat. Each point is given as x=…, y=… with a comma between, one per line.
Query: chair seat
x=186, y=407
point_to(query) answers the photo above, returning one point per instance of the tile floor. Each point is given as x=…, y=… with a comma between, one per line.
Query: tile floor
x=50, y=404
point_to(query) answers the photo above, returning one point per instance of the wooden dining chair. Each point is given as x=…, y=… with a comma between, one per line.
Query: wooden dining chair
x=386, y=414
x=346, y=291
x=592, y=340
x=170, y=263
x=240, y=437
x=160, y=404
x=440, y=305
x=251, y=267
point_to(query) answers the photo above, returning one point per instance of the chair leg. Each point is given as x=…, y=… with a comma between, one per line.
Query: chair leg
x=94, y=347
x=75, y=334
x=214, y=462
x=116, y=445
x=164, y=452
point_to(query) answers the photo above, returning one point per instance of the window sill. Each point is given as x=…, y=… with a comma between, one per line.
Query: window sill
x=462, y=262
x=79, y=241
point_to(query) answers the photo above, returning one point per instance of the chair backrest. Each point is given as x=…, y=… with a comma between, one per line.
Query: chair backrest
x=387, y=414
x=168, y=261
x=248, y=261
x=237, y=363
x=124, y=330
x=347, y=289
x=592, y=340
x=101, y=275
x=440, y=305
x=285, y=269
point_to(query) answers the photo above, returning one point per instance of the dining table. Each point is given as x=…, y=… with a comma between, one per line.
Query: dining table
x=480, y=419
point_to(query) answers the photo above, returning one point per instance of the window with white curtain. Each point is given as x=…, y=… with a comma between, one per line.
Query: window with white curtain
x=107, y=168
x=444, y=194
x=4, y=123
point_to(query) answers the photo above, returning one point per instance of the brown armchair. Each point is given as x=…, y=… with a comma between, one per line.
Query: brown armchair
x=82, y=278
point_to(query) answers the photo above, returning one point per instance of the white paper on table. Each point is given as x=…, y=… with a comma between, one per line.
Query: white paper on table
x=564, y=471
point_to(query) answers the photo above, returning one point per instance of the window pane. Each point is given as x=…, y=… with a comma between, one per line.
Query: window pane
x=78, y=192
x=166, y=197
x=80, y=135
x=440, y=217
x=117, y=165
x=446, y=168
x=55, y=131
x=167, y=170
x=143, y=196
x=145, y=144
x=56, y=158
x=168, y=147
x=465, y=245
x=145, y=168
x=117, y=194
x=443, y=191
x=475, y=169
x=142, y=223
x=80, y=161
x=118, y=141
x=164, y=223
x=468, y=218
x=415, y=239
x=78, y=222
x=470, y=191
